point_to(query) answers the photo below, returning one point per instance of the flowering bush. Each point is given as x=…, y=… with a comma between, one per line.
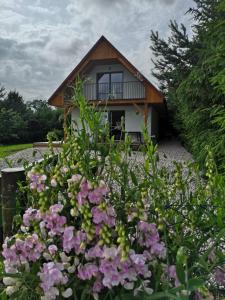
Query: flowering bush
x=89, y=245
x=101, y=225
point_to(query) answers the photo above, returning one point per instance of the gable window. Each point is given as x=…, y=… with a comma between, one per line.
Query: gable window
x=110, y=85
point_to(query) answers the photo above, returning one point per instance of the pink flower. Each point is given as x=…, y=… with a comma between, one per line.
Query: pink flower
x=75, y=178
x=31, y=215
x=51, y=275
x=68, y=239
x=56, y=208
x=26, y=250
x=52, y=249
x=110, y=253
x=172, y=274
x=106, y=217
x=96, y=196
x=220, y=275
x=37, y=181
x=40, y=187
x=83, y=193
x=53, y=221
x=138, y=259
x=87, y=271
x=94, y=252
x=80, y=237
x=98, y=286
x=159, y=250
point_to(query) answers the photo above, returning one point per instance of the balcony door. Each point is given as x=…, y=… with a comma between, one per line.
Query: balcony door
x=110, y=85
x=117, y=123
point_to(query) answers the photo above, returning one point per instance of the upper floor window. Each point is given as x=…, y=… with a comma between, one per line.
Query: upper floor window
x=110, y=85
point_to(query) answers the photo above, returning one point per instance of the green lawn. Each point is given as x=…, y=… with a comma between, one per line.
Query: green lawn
x=10, y=149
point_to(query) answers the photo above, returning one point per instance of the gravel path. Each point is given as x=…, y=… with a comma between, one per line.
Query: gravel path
x=169, y=151
x=30, y=155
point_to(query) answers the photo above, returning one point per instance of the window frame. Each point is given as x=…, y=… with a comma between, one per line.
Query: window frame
x=110, y=83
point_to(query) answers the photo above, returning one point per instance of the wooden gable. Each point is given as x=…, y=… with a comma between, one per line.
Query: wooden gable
x=102, y=51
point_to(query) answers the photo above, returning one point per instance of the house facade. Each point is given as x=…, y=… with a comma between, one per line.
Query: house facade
x=111, y=83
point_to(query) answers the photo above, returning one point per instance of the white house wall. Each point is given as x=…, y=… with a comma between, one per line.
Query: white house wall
x=134, y=120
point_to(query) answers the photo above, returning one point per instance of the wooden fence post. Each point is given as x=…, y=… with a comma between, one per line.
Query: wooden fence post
x=9, y=188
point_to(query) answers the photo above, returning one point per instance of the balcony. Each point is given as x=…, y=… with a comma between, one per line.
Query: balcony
x=110, y=91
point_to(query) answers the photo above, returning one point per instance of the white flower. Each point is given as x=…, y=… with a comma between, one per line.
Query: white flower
x=66, y=265
x=9, y=281
x=43, y=177
x=11, y=290
x=64, y=258
x=129, y=286
x=67, y=293
x=24, y=228
x=71, y=269
x=64, y=169
x=96, y=296
x=42, y=228
x=149, y=291
x=76, y=261
x=53, y=182
x=73, y=212
x=47, y=256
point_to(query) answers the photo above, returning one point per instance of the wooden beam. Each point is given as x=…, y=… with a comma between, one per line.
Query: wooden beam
x=67, y=111
x=117, y=102
x=146, y=115
x=141, y=111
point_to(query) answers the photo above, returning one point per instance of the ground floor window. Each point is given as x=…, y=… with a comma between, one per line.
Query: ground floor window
x=117, y=123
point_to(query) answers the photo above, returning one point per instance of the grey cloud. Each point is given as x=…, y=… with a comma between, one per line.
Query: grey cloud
x=41, y=41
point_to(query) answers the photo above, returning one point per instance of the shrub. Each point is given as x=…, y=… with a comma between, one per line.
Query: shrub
x=102, y=224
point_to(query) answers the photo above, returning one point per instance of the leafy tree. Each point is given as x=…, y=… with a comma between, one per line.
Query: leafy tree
x=15, y=102
x=12, y=126
x=43, y=119
x=2, y=93
x=192, y=76
x=35, y=119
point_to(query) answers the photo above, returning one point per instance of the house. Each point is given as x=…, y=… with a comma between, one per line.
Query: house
x=112, y=83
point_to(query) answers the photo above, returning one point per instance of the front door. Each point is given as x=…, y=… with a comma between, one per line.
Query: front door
x=116, y=123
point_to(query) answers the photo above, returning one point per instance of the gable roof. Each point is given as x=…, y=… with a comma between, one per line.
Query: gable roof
x=108, y=52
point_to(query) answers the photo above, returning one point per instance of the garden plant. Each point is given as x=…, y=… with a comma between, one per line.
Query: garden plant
x=102, y=224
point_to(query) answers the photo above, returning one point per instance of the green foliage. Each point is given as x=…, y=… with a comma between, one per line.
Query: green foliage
x=43, y=119
x=192, y=75
x=12, y=126
x=27, y=121
x=14, y=101
x=189, y=212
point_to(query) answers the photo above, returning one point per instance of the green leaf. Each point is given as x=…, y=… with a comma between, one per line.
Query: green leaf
x=220, y=217
x=162, y=296
x=181, y=260
x=195, y=283
x=180, y=273
x=3, y=296
x=133, y=177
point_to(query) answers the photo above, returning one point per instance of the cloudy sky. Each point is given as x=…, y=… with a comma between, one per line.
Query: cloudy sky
x=41, y=41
